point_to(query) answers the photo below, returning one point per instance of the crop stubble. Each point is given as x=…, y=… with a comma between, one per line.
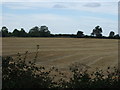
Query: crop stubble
x=62, y=52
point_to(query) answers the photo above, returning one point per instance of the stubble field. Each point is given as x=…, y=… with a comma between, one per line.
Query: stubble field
x=63, y=52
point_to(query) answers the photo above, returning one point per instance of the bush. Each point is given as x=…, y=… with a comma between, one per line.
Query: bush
x=82, y=79
x=18, y=74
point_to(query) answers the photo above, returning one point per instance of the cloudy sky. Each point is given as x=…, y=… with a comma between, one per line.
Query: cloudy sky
x=61, y=16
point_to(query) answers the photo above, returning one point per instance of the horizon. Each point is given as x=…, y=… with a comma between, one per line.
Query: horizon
x=61, y=18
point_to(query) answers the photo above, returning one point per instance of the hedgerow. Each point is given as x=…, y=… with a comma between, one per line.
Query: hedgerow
x=19, y=74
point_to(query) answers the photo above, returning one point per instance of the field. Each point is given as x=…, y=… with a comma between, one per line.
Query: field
x=62, y=52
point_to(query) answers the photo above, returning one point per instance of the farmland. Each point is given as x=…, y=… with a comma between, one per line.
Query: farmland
x=62, y=52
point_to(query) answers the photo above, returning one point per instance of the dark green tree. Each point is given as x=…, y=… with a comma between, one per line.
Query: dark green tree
x=39, y=32
x=80, y=34
x=111, y=34
x=4, y=31
x=10, y=34
x=117, y=36
x=16, y=33
x=97, y=31
x=44, y=32
x=22, y=33
x=34, y=32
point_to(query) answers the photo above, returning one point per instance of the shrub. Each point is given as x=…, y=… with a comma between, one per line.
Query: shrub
x=18, y=74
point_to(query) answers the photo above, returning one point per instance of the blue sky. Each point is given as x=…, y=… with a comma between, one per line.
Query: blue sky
x=61, y=17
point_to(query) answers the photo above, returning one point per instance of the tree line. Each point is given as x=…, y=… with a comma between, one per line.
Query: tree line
x=33, y=32
x=44, y=32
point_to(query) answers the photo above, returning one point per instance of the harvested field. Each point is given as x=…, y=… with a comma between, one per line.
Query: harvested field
x=62, y=52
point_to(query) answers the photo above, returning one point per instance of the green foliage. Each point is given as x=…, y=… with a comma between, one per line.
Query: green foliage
x=97, y=31
x=80, y=34
x=117, y=36
x=111, y=34
x=16, y=33
x=19, y=33
x=34, y=32
x=19, y=74
x=23, y=33
x=44, y=32
x=4, y=31
x=39, y=32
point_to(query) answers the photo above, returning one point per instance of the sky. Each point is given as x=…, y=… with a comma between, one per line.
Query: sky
x=61, y=16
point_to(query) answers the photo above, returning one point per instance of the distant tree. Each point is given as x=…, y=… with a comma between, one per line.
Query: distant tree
x=117, y=36
x=10, y=34
x=39, y=32
x=80, y=34
x=4, y=31
x=34, y=32
x=22, y=33
x=97, y=31
x=44, y=32
x=111, y=34
x=16, y=33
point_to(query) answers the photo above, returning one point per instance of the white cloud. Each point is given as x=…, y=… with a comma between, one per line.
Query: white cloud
x=99, y=7
x=59, y=6
x=104, y=7
x=92, y=5
x=27, y=5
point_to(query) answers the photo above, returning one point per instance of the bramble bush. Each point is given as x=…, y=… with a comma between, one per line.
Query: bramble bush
x=19, y=74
